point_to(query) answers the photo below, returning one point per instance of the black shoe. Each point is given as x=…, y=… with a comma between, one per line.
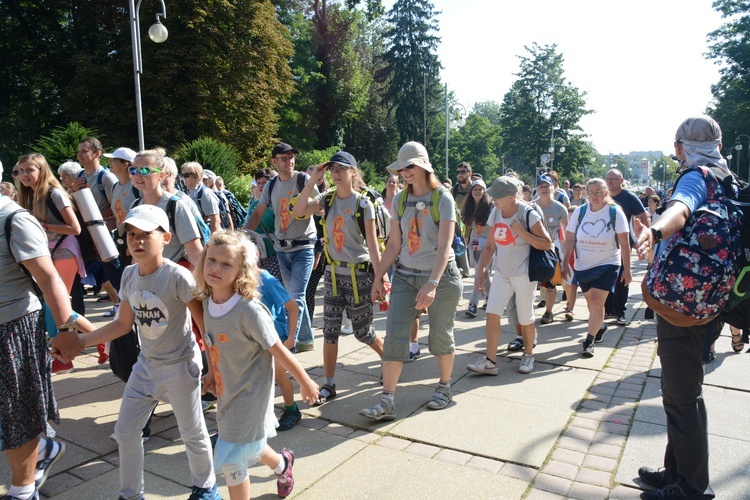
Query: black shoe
x=656, y=478
x=543, y=303
x=600, y=334
x=669, y=492
x=622, y=320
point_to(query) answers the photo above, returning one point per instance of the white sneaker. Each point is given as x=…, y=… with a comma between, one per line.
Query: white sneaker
x=527, y=364
x=112, y=312
x=346, y=327
x=484, y=366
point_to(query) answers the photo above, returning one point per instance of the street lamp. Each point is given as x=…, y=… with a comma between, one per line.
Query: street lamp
x=158, y=34
x=553, y=143
x=454, y=118
x=738, y=147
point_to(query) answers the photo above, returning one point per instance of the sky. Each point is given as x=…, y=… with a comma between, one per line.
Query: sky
x=641, y=62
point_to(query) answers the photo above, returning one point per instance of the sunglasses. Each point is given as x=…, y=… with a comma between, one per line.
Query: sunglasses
x=14, y=173
x=144, y=170
x=409, y=167
x=459, y=172
x=188, y=175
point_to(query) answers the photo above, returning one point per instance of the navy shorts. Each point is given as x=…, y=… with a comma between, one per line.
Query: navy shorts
x=600, y=277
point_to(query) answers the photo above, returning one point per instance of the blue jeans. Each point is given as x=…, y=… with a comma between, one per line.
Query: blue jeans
x=295, y=268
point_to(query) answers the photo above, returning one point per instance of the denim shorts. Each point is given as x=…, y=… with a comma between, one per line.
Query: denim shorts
x=599, y=277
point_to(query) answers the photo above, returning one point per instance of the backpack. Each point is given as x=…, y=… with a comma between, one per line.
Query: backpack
x=542, y=263
x=690, y=282
x=459, y=245
x=223, y=209
x=301, y=182
x=224, y=214
x=610, y=224
x=8, y=229
x=123, y=353
x=88, y=249
x=236, y=210
x=382, y=217
x=99, y=176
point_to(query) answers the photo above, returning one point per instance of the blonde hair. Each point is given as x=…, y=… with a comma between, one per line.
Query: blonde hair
x=248, y=280
x=193, y=167
x=600, y=182
x=9, y=189
x=34, y=199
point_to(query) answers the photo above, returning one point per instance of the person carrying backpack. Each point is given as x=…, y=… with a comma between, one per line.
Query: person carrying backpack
x=685, y=473
x=204, y=197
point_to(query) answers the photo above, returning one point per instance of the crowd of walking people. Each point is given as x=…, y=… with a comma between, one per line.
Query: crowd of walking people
x=220, y=306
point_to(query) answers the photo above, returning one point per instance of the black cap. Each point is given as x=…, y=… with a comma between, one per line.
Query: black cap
x=343, y=158
x=282, y=148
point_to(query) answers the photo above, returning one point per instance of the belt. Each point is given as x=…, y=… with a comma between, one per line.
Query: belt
x=353, y=267
x=425, y=272
x=295, y=243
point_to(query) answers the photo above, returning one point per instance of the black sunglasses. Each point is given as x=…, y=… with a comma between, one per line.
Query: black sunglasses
x=462, y=172
x=409, y=167
x=187, y=175
x=144, y=170
x=14, y=173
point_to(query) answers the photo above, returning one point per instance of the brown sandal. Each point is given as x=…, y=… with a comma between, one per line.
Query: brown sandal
x=324, y=399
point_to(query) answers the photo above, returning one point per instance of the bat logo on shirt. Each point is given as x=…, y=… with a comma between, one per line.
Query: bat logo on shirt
x=149, y=316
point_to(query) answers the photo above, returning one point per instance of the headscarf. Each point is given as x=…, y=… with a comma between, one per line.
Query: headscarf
x=700, y=137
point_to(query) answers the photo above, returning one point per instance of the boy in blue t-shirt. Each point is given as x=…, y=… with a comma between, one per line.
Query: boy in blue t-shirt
x=284, y=311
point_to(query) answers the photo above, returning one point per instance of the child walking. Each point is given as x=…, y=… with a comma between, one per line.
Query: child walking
x=158, y=294
x=242, y=344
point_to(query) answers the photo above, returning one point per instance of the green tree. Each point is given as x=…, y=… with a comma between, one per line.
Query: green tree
x=730, y=46
x=413, y=92
x=664, y=172
x=539, y=100
x=480, y=143
x=62, y=144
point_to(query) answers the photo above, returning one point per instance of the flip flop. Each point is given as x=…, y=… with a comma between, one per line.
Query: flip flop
x=331, y=389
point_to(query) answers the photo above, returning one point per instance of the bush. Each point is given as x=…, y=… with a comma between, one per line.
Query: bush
x=62, y=144
x=213, y=155
x=314, y=157
x=241, y=187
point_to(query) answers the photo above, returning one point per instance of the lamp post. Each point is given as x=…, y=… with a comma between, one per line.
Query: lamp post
x=451, y=122
x=738, y=147
x=552, y=143
x=158, y=34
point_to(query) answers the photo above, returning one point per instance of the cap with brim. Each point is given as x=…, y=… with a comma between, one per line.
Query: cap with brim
x=125, y=154
x=544, y=178
x=344, y=159
x=282, y=148
x=502, y=187
x=146, y=218
x=478, y=182
x=411, y=153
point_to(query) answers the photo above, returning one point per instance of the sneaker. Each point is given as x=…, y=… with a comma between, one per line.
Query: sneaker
x=306, y=346
x=112, y=312
x=471, y=311
x=547, y=318
x=527, y=364
x=211, y=493
x=35, y=496
x=656, y=478
x=381, y=411
x=414, y=355
x=542, y=303
x=569, y=314
x=483, y=366
x=600, y=334
x=484, y=306
x=285, y=480
x=43, y=466
x=669, y=492
x=346, y=327
x=440, y=399
x=588, y=349
x=58, y=367
x=622, y=320
x=516, y=344
x=289, y=418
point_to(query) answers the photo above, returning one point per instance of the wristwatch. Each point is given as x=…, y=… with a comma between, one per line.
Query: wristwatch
x=67, y=327
x=656, y=233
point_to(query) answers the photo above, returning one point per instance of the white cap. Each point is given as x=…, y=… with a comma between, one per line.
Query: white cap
x=126, y=154
x=146, y=218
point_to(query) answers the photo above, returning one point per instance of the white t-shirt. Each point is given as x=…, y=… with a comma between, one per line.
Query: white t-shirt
x=596, y=244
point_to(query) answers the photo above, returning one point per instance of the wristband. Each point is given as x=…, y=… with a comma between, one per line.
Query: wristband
x=66, y=327
x=434, y=282
x=656, y=233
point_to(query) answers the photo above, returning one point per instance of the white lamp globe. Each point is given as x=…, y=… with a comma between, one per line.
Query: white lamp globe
x=158, y=32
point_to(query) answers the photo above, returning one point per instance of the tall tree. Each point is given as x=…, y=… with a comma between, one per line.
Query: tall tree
x=730, y=46
x=538, y=101
x=412, y=67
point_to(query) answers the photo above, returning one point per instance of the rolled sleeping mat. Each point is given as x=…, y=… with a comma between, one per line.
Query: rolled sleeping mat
x=97, y=228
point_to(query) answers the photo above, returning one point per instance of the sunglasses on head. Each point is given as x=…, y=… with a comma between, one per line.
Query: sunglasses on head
x=144, y=170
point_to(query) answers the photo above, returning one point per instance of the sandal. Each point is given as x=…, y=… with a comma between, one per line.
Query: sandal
x=323, y=398
x=381, y=411
x=738, y=345
x=516, y=344
x=440, y=399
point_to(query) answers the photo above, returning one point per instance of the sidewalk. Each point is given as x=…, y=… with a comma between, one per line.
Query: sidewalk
x=575, y=427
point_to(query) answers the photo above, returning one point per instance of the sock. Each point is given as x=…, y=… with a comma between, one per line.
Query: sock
x=329, y=381
x=488, y=359
x=22, y=492
x=413, y=347
x=292, y=408
x=281, y=467
x=444, y=384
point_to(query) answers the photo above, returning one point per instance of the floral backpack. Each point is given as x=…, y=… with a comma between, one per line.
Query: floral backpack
x=691, y=280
